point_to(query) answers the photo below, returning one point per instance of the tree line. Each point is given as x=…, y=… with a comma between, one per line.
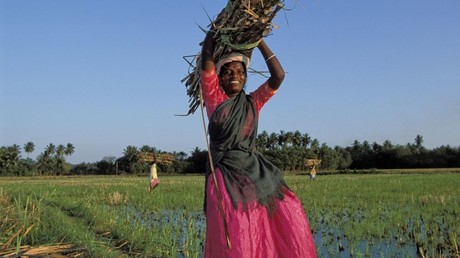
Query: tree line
x=287, y=150
x=49, y=162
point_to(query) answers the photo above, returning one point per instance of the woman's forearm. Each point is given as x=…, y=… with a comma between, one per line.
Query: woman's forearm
x=274, y=66
x=207, y=52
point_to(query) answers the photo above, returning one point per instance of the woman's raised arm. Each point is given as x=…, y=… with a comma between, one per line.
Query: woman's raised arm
x=274, y=67
x=207, y=52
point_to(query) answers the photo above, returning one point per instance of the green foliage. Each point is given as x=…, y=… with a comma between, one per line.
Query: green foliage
x=197, y=161
x=287, y=150
x=50, y=162
x=9, y=160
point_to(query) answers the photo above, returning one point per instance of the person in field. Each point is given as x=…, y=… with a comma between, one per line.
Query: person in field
x=313, y=173
x=263, y=217
x=154, y=181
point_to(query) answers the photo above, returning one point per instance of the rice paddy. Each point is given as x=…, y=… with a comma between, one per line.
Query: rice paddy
x=384, y=215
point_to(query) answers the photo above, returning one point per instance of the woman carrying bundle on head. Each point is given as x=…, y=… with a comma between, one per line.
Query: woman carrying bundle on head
x=252, y=212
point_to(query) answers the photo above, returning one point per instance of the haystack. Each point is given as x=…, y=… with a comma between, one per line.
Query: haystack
x=238, y=27
x=165, y=158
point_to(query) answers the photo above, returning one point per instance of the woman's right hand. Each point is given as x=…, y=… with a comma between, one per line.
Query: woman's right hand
x=207, y=52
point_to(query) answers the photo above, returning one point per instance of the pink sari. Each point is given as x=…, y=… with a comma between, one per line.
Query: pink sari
x=251, y=230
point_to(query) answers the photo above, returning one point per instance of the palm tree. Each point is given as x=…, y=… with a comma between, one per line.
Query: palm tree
x=44, y=158
x=314, y=145
x=419, y=143
x=288, y=139
x=69, y=150
x=387, y=145
x=50, y=149
x=131, y=153
x=146, y=148
x=262, y=141
x=29, y=148
x=297, y=139
x=366, y=147
x=306, y=140
x=272, y=140
x=281, y=139
x=9, y=159
x=179, y=155
x=60, y=150
x=377, y=148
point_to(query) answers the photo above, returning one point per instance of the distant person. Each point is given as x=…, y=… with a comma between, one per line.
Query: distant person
x=264, y=217
x=312, y=173
x=154, y=181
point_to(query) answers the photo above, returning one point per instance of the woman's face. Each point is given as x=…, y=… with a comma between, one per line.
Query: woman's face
x=233, y=78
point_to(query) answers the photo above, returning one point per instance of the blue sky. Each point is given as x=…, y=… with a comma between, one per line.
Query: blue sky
x=106, y=74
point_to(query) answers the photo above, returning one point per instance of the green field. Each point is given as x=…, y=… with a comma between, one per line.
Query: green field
x=380, y=215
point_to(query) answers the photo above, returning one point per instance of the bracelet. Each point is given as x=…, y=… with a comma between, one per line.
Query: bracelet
x=266, y=60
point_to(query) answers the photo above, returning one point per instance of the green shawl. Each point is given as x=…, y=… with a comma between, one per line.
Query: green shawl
x=248, y=175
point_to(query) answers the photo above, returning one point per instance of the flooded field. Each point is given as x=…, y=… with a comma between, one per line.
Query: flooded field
x=394, y=215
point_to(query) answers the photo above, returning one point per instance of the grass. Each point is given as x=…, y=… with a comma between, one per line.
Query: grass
x=379, y=215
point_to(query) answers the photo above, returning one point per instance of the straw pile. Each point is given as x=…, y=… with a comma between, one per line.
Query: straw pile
x=165, y=158
x=239, y=27
x=59, y=250
x=312, y=162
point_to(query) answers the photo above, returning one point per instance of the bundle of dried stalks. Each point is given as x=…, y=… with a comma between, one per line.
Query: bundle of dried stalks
x=59, y=250
x=312, y=162
x=238, y=27
x=165, y=158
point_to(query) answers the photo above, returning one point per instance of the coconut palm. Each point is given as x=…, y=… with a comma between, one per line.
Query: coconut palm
x=69, y=150
x=297, y=139
x=262, y=140
x=272, y=140
x=50, y=149
x=9, y=159
x=306, y=140
x=315, y=145
x=131, y=153
x=146, y=148
x=281, y=139
x=29, y=148
x=419, y=144
x=288, y=139
x=59, y=158
x=44, y=159
x=60, y=149
x=387, y=145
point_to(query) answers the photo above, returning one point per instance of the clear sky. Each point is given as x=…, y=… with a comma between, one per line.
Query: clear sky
x=106, y=74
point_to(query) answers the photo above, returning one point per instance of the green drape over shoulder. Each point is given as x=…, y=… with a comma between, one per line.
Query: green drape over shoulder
x=248, y=175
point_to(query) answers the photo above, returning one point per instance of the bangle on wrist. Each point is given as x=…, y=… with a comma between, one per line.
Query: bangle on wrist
x=270, y=57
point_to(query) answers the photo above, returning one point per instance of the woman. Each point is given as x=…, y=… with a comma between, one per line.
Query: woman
x=154, y=181
x=264, y=218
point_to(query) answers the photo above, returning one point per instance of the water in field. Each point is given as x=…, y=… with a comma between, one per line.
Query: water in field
x=329, y=240
x=186, y=228
x=332, y=242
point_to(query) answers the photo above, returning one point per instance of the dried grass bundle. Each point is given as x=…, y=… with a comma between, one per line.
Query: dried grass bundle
x=239, y=27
